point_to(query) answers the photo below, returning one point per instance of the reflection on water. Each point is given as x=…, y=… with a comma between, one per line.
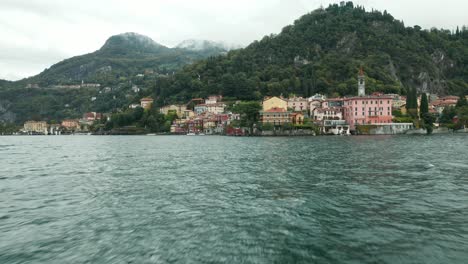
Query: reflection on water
x=84, y=199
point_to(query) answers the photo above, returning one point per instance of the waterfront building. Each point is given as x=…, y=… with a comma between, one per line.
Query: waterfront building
x=367, y=110
x=335, y=127
x=276, y=116
x=71, y=125
x=332, y=113
x=297, y=118
x=146, y=103
x=55, y=129
x=209, y=125
x=274, y=102
x=39, y=127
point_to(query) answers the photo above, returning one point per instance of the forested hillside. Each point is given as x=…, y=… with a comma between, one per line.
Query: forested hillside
x=322, y=52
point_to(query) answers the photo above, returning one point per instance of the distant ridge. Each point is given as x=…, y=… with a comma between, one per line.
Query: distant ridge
x=126, y=54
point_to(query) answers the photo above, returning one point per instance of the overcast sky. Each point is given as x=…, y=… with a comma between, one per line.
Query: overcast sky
x=34, y=34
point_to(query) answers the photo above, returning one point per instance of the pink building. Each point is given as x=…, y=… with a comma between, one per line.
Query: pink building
x=367, y=110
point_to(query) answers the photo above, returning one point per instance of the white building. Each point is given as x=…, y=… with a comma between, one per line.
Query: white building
x=216, y=108
x=200, y=109
x=314, y=104
x=213, y=99
x=334, y=113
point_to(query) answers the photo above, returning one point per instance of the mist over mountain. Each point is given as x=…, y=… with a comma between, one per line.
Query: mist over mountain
x=203, y=45
x=125, y=54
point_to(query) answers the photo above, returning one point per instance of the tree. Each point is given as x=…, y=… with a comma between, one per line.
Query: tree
x=424, y=108
x=462, y=114
x=462, y=101
x=412, y=103
x=249, y=112
x=428, y=122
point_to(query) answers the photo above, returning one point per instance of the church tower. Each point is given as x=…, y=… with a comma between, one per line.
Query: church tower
x=361, y=83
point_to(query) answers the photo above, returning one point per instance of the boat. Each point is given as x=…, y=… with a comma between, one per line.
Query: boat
x=151, y=134
x=191, y=134
x=201, y=134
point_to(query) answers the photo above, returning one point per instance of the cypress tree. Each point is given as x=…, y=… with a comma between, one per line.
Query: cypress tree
x=412, y=100
x=424, y=108
x=408, y=98
x=412, y=103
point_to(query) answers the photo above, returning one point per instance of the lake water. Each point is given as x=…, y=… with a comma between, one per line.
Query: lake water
x=179, y=199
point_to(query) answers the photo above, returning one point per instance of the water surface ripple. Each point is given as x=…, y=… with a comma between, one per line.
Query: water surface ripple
x=169, y=199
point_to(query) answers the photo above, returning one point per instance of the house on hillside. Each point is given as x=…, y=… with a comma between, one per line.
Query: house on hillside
x=146, y=103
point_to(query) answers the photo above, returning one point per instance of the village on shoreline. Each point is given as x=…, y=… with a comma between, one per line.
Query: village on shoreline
x=375, y=114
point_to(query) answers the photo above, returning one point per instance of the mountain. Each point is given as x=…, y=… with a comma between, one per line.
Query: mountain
x=322, y=52
x=125, y=54
x=118, y=64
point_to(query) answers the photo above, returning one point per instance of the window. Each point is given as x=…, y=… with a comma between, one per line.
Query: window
x=371, y=102
x=380, y=102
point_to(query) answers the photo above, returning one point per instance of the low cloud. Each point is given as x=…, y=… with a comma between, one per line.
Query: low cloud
x=38, y=33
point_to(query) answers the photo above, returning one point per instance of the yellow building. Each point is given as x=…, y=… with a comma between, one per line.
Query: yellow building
x=35, y=126
x=297, y=118
x=275, y=116
x=274, y=102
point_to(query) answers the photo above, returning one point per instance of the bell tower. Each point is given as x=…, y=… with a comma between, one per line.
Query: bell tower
x=361, y=83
